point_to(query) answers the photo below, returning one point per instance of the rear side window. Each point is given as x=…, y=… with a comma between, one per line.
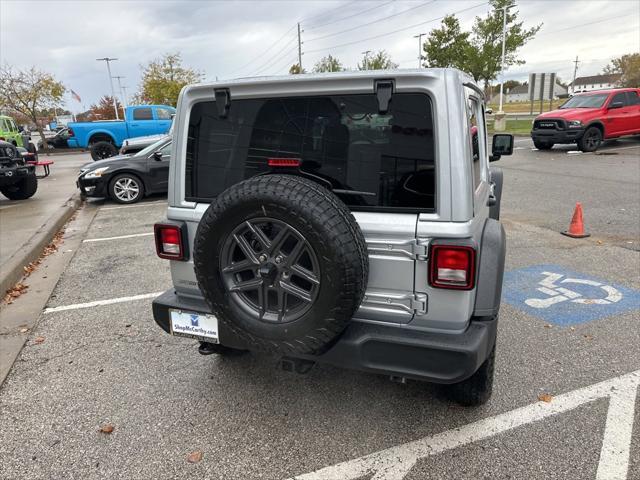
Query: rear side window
x=371, y=160
x=632, y=98
x=163, y=114
x=619, y=97
x=142, y=114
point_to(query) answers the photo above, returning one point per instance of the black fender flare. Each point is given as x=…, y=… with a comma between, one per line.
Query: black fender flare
x=490, y=269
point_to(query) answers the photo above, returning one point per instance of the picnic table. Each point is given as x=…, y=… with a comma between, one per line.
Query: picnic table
x=45, y=164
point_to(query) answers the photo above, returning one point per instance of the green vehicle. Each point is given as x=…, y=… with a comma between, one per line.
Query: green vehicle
x=9, y=131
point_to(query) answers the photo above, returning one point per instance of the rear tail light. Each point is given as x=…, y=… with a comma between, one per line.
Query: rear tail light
x=170, y=241
x=284, y=162
x=70, y=132
x=453, y=267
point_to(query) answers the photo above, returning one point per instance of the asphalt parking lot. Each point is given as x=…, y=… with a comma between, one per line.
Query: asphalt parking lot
x=97, y=358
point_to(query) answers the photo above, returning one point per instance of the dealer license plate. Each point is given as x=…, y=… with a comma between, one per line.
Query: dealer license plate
x=194, y=325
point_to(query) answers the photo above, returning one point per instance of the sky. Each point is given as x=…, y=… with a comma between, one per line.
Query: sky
x=229, y=39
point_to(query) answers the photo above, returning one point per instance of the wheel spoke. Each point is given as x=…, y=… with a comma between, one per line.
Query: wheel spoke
x=282, y=304
x=295, y=291
x=253, y=284
x=259, y=235
x=238, y=266
x=305, y=274
x=246, y=248
x=293, y=256
x=277, y=242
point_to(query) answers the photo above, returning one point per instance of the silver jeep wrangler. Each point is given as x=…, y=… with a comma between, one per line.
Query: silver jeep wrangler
x=346, y=218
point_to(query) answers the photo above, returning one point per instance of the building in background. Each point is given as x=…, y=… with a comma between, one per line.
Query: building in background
x=521, y=93
x=594, y=82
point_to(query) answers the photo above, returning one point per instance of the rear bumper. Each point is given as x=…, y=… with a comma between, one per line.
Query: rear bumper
x=382, y=349
x=556, y=136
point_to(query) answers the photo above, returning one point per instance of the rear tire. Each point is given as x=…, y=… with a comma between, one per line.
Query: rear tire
x=25, y=188
x=542, y=145
x=590, y=140
x=475, y=390
x=126, y=188
x=282, y=263
x=102, y=150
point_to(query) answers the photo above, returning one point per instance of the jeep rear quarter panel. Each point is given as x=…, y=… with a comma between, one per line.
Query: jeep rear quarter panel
x=396, y=241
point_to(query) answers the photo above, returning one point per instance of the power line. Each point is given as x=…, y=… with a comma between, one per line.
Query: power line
x=277, y=58
x=396, y=31
x=589, y=23
x=324, y=14
x=263, y=53
x=357, y=14
x=277, y=55
x=371, y=23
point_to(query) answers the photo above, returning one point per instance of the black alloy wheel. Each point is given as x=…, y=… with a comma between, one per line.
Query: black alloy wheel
x=271, y=270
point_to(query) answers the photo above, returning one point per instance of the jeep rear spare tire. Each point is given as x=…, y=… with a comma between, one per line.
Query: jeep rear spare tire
x=22, y=189
x=282, y=263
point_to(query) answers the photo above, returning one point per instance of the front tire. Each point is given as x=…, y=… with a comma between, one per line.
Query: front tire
x=542, y=145
x=25, y=188
x=475, y=390
x=590, y=140
x=126, y=188
x=102, y=150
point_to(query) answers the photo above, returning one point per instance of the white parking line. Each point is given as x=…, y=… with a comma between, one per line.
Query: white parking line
x=104, y=239
x=395, y=462
x=99, y=303
x=135, y=206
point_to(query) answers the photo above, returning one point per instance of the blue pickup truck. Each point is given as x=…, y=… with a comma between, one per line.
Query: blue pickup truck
x=104, y=138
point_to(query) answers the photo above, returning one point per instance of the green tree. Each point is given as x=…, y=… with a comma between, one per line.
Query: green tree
x=103, y=110
x=479, y=52
x=295, y=69
x=447, y=46
x=629, y=67
x=30, y=92
x=163, y=78
x=328, y=64
x=378, y=61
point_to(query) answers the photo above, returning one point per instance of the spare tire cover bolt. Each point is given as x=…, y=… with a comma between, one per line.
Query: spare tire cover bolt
x=262, y=258
x=279, y=259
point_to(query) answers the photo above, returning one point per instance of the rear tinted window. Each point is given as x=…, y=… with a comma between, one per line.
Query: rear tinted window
x=371, y=160
x=142, y=114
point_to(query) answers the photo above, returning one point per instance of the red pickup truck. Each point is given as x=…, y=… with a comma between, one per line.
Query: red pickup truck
x=589, y=118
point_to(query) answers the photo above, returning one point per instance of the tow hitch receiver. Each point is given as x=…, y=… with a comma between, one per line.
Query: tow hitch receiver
x=297, y=365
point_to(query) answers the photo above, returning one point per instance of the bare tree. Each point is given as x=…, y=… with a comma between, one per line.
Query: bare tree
x=29, y=92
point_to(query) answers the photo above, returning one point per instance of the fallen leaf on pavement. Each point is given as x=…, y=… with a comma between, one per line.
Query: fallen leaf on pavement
x=587, y=336
x=548, y=325
x=38, y=340
x=106, y=428
x=545, y=397
x=24, y=330
x=194, y=457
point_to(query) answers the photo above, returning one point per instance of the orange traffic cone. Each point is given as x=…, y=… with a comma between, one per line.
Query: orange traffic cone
x=576, y=227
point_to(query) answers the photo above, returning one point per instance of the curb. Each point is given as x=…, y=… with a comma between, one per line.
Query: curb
x=12, y=269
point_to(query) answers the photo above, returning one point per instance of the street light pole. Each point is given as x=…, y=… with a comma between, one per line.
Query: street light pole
x=419, y=37
x=113, y=92
x=124, y=101
x=504, y=39
x=126, y=97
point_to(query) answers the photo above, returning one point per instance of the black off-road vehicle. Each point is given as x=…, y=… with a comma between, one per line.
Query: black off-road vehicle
x=18, y=180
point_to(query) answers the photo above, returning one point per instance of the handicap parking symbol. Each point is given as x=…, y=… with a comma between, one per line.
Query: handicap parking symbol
x=563, y=297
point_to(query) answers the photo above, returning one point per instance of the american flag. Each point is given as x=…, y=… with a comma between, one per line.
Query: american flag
x=76, y=97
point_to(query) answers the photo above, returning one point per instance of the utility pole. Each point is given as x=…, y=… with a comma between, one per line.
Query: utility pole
x=575, y=71
x=113, y=92
x=124, y=101
x=419, y=37
x=366, y=59
x=299, y=48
